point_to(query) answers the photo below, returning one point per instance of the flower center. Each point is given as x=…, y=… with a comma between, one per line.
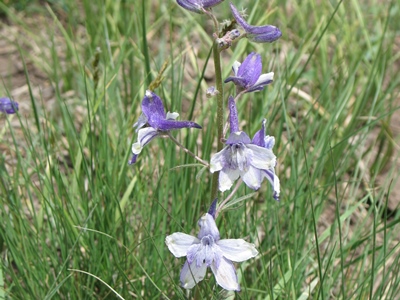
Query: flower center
x=207, y=240
x=206, y=252
x=238, y=157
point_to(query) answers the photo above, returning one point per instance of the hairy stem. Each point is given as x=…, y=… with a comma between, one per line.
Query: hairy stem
x=220, y=114
x=187, y=150
x=226, y=200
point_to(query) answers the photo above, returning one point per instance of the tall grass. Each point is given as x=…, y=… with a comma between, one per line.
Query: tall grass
x=78, y=223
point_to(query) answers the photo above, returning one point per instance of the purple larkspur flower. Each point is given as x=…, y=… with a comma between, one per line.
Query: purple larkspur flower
x=208, y=250
x=268, y=142
x=242, y=157
x=248, y=74
x=198, y=6
x=158, y=122
x=257, y=34
x=8, y=106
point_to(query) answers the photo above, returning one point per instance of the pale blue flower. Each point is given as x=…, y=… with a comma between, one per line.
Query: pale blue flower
x=158, y=123
x=248, y=75
x=257, y=34
x=208, y=250
x=8, y=106
x=241, y=157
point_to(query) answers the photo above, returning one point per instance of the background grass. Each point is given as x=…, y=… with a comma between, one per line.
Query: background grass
x=78, y=223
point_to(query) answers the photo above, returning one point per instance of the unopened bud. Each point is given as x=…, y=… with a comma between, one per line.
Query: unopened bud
x=211, y=92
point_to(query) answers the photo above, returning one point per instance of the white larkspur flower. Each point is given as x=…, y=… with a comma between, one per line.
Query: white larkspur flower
x=251, y=160
x=208, y=250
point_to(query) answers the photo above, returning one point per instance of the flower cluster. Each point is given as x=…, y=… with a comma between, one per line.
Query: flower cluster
x=251, y=160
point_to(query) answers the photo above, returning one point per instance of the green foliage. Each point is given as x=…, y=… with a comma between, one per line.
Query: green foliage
x=79, y=223
x=17, y=4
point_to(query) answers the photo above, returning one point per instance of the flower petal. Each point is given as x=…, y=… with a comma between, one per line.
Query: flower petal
x=217, y=161
x=239, y=19
x=263, y=34
x=239, y=81
x=172, y=116
x=259, y=137
x=237, y=250
x=265, y=79
x=226, y=178
x=166, y=125
x=252, y=178
x=225, y=275
x=145, y=135
x=178, y=243
x=153, y=109
x=269, y=142
x=8, y=106
x=250, y=69
x=233, y=117
x=262, y=81
x=235, y=67
x=133, y=159
x=258, y=34
x=274, y=180
x=136, y=149
x=238, y=137
x=208, y=227
x=197, y=5
x=191, y=274
x=210, y=3
x=190, y=5
x=261, y=158
x=140, y=122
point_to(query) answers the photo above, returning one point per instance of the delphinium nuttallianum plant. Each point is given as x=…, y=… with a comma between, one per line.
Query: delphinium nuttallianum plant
x=241, y=159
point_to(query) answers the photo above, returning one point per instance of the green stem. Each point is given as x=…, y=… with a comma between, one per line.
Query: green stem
x=188, y=151
x=220, y=114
